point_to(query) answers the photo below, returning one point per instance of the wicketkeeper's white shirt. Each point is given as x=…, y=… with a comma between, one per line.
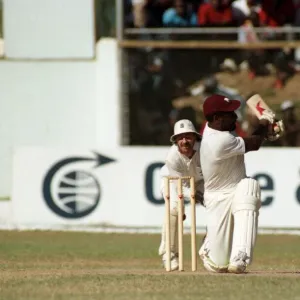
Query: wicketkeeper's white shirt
x=177, y=164
x=222, y=159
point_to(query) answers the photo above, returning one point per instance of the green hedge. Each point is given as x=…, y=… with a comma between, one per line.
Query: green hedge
x=1, y=18
x=105, y=13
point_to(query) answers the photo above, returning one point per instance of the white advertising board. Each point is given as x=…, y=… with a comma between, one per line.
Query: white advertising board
x=125, y=188
x=120, y=187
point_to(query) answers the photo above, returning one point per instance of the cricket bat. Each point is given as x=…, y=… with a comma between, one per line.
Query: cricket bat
x=257, y=105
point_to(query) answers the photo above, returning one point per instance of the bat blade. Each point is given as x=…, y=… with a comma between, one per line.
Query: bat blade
x=257, y=105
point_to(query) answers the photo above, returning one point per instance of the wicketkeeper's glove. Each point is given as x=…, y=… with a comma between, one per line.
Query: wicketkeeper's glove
x=199, y=198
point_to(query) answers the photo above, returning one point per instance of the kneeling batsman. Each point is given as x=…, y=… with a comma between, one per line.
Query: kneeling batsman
x=232, y=199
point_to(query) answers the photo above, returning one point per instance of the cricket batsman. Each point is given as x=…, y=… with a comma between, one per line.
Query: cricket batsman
x=232, y=200
x=183, y=159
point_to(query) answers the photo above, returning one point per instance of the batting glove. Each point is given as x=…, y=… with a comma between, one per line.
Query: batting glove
x=277, y=131
x=268, y=115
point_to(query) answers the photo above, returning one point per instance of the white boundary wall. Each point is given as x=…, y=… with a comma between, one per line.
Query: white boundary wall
x=58, y=104
x=49, y=29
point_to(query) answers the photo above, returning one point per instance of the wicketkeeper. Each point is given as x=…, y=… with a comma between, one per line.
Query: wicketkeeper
x=183, y=159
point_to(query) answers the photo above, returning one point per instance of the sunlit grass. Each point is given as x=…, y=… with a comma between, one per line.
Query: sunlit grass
x=57, y=265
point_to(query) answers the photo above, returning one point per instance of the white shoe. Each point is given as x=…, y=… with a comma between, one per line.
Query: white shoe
x=174, y=262
x=238, y=265
x=208, y=264
x=162, y=248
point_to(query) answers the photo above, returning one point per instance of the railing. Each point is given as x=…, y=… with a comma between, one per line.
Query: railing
x=128, y=38
x=209, y=30
x=207, y=44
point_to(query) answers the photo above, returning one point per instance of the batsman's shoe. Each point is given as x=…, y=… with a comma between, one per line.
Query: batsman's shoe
x=174, y=261
x=208, y=264
x=238, y=265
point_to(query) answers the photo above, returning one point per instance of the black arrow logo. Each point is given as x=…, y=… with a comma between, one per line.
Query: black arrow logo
x=100, y=161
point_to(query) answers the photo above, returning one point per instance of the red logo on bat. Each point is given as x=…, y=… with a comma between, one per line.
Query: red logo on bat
x=259, y=108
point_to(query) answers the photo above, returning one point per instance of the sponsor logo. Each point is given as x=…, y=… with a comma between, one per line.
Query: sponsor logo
x=71, y=191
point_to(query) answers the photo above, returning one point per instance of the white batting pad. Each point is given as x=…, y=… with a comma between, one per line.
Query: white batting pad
x=247, y=195
x=245, y=208
x=244, y=234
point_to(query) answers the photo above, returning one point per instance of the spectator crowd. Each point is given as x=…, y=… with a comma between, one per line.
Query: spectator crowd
x=186, y=13
x=158, y=76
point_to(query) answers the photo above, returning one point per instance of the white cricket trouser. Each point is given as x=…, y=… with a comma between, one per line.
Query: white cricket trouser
x=219, y=225
x=232, y=220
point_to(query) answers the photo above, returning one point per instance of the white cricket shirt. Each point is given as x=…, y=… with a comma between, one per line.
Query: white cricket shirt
x=177, y=164
x=222, y=159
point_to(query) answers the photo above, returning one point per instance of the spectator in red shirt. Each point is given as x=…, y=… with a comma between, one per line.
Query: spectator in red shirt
x=277, y=12
x=215, y=13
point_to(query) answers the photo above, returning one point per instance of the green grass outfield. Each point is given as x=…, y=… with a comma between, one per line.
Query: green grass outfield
x=70, y=265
